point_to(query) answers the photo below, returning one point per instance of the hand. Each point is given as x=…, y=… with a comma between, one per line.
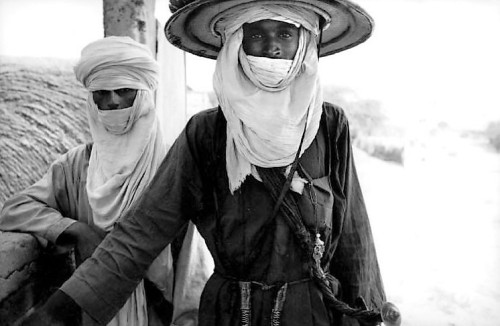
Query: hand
x=85, y=238
x=59, y=310
x=39, y=317
x=390, y=314
x=360, y=303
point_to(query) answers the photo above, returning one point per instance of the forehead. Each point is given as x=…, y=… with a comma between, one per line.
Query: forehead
x=268, y=25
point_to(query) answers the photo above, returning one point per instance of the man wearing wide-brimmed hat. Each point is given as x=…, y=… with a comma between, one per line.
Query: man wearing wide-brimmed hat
x=268, y=177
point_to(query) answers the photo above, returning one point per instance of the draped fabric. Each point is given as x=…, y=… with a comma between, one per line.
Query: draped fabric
x=268, y=72
x=265, y=123
x=126, y=62
x=230, y=21
x=128, y=146
x=122, y=165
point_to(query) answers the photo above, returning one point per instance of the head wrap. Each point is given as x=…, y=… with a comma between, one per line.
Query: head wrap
x=228, y=22
x=128, y=146
x=265, y=122
x=125, y=62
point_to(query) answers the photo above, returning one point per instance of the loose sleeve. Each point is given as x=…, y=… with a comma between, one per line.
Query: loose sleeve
x=354, y=261
x=102, y=284
x=40, y=209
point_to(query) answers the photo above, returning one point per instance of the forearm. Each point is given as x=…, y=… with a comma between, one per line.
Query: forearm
x=23, y=213
x=102, y=284
x=355, y=261
x=59, y=310
x=37, y=209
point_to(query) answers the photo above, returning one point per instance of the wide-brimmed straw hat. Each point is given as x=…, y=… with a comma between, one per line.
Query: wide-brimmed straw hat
x=191, y=26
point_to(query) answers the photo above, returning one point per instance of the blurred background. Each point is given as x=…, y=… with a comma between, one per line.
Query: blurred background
x=422, y=98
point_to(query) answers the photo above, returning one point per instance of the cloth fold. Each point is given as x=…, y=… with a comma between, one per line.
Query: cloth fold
x=128, y=146
x=265, y=123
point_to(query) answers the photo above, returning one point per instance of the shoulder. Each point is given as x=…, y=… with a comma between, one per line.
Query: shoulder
x=335, y=118
x=205, y=126
x=334, y=112
x=80, y=152
x=75, y=159
x=205, y=119
x=205, y=136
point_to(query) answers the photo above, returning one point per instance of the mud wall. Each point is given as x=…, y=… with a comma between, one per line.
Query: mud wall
x=42, y=115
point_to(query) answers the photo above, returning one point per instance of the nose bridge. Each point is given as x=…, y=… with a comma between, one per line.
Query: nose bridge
x=273, y=45
x=111, y=100
x=114, y=98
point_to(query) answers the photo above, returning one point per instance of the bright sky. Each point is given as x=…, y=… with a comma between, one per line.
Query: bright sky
x=49, y=28
x=427, y=59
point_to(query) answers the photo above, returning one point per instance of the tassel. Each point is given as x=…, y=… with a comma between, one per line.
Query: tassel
x=246, y=313
x=278, y=305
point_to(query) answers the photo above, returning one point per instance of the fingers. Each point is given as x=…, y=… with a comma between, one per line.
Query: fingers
x=360, y=303
x=37, y=317
x=390, y=314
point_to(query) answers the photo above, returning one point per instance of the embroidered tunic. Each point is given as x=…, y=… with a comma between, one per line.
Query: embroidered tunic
x=246, y=245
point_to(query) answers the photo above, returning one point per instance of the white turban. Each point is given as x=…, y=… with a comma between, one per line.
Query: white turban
x=117, y=62
x=231, y=20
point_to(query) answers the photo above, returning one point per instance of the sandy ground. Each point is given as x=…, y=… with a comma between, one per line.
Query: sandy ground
x=436, y=222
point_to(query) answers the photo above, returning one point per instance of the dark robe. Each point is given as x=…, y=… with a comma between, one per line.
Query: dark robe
x=246, y=242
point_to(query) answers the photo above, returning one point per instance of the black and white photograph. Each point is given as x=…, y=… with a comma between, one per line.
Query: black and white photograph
x=249, y=162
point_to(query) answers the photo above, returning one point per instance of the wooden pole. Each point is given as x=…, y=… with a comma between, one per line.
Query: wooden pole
x=134, y=18
x=171, y=94
x=137, y=19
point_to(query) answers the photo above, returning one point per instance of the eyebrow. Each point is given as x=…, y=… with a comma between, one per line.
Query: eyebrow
x=256, y=28
x=289, y=28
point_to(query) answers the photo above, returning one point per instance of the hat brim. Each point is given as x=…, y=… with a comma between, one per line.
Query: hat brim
x=190, y=27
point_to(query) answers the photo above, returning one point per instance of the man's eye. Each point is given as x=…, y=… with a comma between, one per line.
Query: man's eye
x=285, y=35
x=100, y=92
x=255, y=36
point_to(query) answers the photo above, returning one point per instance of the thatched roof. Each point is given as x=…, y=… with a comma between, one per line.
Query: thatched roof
x=42, y=115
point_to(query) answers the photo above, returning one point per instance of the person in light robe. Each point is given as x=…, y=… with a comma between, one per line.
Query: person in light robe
x=83, y=194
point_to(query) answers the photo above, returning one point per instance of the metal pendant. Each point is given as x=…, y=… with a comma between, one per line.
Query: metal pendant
x=319, y=249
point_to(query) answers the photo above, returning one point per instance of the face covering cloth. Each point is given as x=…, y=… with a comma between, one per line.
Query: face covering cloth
x=267, y=71
x=265, y=120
